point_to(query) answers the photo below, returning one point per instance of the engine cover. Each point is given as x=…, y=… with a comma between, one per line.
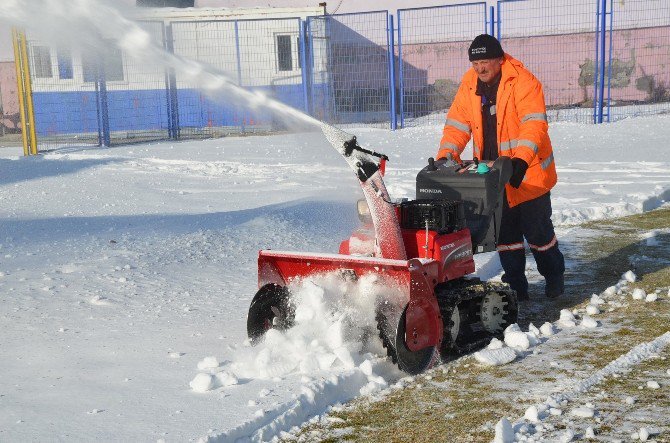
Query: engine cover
x=481, y=195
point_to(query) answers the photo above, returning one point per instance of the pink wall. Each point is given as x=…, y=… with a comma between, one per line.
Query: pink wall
x=10, y=100
x=564, y=64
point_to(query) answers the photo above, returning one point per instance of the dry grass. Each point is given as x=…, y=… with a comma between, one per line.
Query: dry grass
x=462, y=401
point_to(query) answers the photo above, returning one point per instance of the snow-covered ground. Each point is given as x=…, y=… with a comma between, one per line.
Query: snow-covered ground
x=126, y=274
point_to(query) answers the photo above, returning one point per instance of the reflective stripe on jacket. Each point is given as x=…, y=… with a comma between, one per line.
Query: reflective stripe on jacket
x=522, y=127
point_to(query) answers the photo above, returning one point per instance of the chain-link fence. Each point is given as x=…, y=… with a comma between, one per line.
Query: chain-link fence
x=350, y=81
x=556, y=41
x=433, y=56
x=86, y=97
x=599, y=60
x=638, y=59
x=262, y=55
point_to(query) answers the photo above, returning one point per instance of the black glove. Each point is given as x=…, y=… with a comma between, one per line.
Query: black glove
x=518, y=171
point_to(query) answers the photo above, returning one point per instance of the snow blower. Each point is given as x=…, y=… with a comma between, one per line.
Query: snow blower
x=421, y=248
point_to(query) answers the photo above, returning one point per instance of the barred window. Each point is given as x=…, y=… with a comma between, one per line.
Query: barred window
x=42, y=62
x=64, y=64
x=284, y=53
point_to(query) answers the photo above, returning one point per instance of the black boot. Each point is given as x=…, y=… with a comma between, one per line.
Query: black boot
x=518, y=284
x=554, y=287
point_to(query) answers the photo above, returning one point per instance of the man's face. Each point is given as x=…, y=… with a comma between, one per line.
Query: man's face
x=487, y=69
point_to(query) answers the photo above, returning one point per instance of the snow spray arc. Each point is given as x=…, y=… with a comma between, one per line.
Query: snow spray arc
x=92, y=25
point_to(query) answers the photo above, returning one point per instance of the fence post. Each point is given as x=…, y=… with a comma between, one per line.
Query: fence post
x=239, y=66
x=493, y=21
x=171, y=86
x=609, y=60
x=310, y=60
x=499, y=22
x=401, y=87
x=600, y=62
x=391, y=46
x=104, y=106
x=24, y=86
x=303, y=62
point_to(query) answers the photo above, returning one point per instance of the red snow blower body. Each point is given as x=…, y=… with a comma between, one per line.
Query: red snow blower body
x=422, y=249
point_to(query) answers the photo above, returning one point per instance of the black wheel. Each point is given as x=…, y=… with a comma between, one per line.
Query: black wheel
x=451, y=333
x=393, y=335
x=270, y=308
x=498, y=308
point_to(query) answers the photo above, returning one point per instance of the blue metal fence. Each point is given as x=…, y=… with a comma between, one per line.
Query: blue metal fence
x=432, y=57
x=599, y=60
x=263, y=55
x=556, y=41
x=637, y=71
x=350, y=73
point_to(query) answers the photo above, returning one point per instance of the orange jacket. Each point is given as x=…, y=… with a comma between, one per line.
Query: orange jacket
x=522, y=127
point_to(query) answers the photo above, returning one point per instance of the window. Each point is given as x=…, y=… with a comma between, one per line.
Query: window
x=284, y=53
x=42, y=62
x=64, y=64
x=288, y=52
x=113, y=64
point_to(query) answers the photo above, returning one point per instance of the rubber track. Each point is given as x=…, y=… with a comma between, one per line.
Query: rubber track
x=454, y=293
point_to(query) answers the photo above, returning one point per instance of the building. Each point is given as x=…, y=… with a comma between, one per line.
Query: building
x=255, y=47
x=9, y=102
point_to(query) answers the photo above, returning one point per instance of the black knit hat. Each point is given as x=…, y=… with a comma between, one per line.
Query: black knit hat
x=485, y=47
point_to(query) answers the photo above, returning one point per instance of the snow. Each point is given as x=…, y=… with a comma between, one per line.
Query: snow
x=592, y=310
x=567, y=319
x=504, y=432
x=495, y=357
x=638, y=294
x=148, y=254
x=584, y=412
x=651, y=384
x=622, y=364
x=629, y=276
x=588, y=322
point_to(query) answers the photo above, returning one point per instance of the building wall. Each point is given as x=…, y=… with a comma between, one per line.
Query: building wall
x=10, y=101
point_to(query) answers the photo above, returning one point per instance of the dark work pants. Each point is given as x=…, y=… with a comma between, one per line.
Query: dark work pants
x=532, y=220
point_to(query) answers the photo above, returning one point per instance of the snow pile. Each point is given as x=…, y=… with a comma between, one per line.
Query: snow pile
x=516, y=342
x=332, y=316
x=504, y=432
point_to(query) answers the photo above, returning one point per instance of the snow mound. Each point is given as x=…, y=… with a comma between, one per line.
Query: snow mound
x=567, y=319
x=583, y=412
x=202, y=382
x=639, y=294
x=504, y=432
x=330, y=317
x=495, y=357
x=629, y=276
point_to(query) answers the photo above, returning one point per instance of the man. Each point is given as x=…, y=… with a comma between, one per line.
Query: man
x=501, y=105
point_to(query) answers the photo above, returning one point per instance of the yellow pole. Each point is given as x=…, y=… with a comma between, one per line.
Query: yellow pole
x=29, y=95
x=19, y=83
